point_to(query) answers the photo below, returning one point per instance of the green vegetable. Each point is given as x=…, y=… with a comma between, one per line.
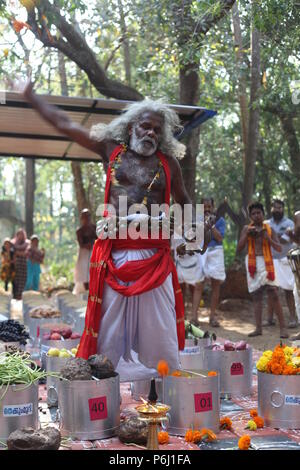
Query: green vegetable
x=18, y=368
x=192, y=331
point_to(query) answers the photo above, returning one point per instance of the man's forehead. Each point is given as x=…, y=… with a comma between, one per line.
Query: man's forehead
x=151, y=116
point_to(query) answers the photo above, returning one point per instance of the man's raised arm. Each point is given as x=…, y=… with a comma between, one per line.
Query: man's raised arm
x=61, y=121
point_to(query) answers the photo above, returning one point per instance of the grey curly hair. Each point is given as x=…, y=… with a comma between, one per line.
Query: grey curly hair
x=118, y=129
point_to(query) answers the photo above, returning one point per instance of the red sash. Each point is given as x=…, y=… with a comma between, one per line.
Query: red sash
x=145, y=274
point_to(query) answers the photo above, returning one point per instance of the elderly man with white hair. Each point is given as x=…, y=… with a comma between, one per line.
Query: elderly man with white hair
x=135, y=307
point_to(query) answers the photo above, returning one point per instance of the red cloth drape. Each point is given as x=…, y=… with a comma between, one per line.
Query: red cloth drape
x=145, y=274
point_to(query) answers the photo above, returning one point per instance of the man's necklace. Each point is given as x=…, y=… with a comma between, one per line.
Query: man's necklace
x=117, y=163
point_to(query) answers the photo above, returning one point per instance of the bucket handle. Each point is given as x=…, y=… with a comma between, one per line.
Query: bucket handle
x=273, y=402
x=165, y=424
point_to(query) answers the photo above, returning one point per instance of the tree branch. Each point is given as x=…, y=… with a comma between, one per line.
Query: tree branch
x=75, y=47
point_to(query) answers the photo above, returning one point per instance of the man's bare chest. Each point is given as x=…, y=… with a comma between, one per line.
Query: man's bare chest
x=144, y=173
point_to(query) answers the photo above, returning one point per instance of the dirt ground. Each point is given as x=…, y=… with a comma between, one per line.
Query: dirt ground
x=238, y=320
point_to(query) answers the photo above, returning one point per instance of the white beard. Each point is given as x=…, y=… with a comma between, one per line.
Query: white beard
x=138, y=145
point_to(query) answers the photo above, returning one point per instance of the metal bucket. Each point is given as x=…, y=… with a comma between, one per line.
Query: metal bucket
x=235, y=369
x=200, y=342
x=89, y=409
x=18, y=409
x=34, y=323
x=194, y=403
x=53, y=364
x=15, y=344
x=141, y=388
x=279, y=400
x=59, y=344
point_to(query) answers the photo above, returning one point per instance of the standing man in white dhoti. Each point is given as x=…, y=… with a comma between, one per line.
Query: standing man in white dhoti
x=212, y=265
x=259, y=238
x=135, y=303
x=86, y=236
x=283, y=273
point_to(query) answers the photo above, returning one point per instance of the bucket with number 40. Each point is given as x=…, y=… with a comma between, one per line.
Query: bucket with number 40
x=89, y=409
x=194, y=402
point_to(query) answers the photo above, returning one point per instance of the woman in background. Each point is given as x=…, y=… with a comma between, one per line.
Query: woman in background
x=7, y=272
x=20, y=245
x=34, y=259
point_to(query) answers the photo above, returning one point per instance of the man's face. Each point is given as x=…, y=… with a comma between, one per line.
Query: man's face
x=146, y=133
x=257, y=216
x=85, y=218
x=277, y=211
x=208, y=207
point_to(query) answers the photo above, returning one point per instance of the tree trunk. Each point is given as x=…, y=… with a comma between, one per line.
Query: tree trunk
x=288, y=128
x=29, y=195
x=189, y=95
x=82, y=200
x=242, y=85
x=253, y=130
x=126, y=51
x=267, y=193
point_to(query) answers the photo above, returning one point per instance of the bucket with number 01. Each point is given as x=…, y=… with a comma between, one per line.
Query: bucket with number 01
x=194, y=402
x=235, y=368
x=89, y=409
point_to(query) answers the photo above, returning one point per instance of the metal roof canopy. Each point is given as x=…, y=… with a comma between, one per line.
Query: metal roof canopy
x=24, y=133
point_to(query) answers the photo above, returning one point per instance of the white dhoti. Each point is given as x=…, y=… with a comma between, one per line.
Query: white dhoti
x=260, y=278
x=213, y=263
x=144, y=324
x=284, y=274
x=189, y=269
x=297, y=301
x=82, y=270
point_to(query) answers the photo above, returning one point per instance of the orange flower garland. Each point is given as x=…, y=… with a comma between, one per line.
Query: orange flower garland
x=225, y=423
x=244, y=442
x=163, y=368
x=163, y=437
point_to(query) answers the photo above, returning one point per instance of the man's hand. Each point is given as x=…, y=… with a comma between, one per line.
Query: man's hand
x=25, y=87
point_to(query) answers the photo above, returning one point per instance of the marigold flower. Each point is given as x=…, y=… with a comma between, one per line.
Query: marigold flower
x=163, y=437
x=208, y=435
x=225, y=423
x=268, y=354
x=189, y=436
x=276, y=368
x=197, y=436
x=251, y=425
x=176, y=373
x=259, y=421
x=253, y=413
x=262, y=363
x=212, y=373
x=244, y=442
x=163, y=368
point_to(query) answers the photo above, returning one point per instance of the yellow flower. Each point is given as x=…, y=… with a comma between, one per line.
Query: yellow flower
x=296, y=361
x=268, y=354
x=288, y=351
x=262, y=363
x=251, y=425
x=5, y=52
